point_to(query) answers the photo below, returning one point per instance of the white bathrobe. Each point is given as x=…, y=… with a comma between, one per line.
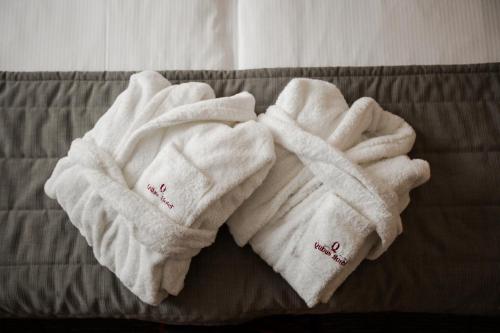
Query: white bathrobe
x=334, y=195
x=162, y=169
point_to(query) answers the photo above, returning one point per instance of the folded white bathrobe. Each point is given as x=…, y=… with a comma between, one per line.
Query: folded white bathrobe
x=162, y=169
x=334, y=195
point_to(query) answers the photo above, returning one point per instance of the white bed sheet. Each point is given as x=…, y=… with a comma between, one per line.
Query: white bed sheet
x=224, y=34
x=100, y=35
x=367, y=33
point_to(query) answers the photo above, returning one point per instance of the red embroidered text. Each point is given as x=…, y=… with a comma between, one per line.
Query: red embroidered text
x=159, y=193
x=332, y=252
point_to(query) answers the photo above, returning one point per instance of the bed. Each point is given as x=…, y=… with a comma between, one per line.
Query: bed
x=445, y=262
x=120, y=35
x=436, y=64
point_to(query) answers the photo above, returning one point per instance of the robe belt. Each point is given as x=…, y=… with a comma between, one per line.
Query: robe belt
x=344, y=178
x=149, y=225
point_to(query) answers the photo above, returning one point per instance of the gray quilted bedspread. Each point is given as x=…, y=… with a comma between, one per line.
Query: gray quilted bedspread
x=446, y=261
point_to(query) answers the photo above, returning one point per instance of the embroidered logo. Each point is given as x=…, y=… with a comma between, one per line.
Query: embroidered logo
x=160, y=194
x=332, y=252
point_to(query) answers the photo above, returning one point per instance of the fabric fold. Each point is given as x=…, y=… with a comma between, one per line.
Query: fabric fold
x=326, y=203
x=162, y=169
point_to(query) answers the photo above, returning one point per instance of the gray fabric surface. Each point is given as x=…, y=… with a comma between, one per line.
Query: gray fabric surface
x=446, y=261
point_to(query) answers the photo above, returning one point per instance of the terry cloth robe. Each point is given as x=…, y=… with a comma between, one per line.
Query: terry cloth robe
x=336, y=191
x=163, y=168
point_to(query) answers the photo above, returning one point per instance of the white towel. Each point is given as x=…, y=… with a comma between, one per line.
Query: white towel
x=334, y=195
x=162, y=169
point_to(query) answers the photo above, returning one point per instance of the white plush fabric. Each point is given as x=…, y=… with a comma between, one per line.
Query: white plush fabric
x=162, y=169
x=335, y=193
